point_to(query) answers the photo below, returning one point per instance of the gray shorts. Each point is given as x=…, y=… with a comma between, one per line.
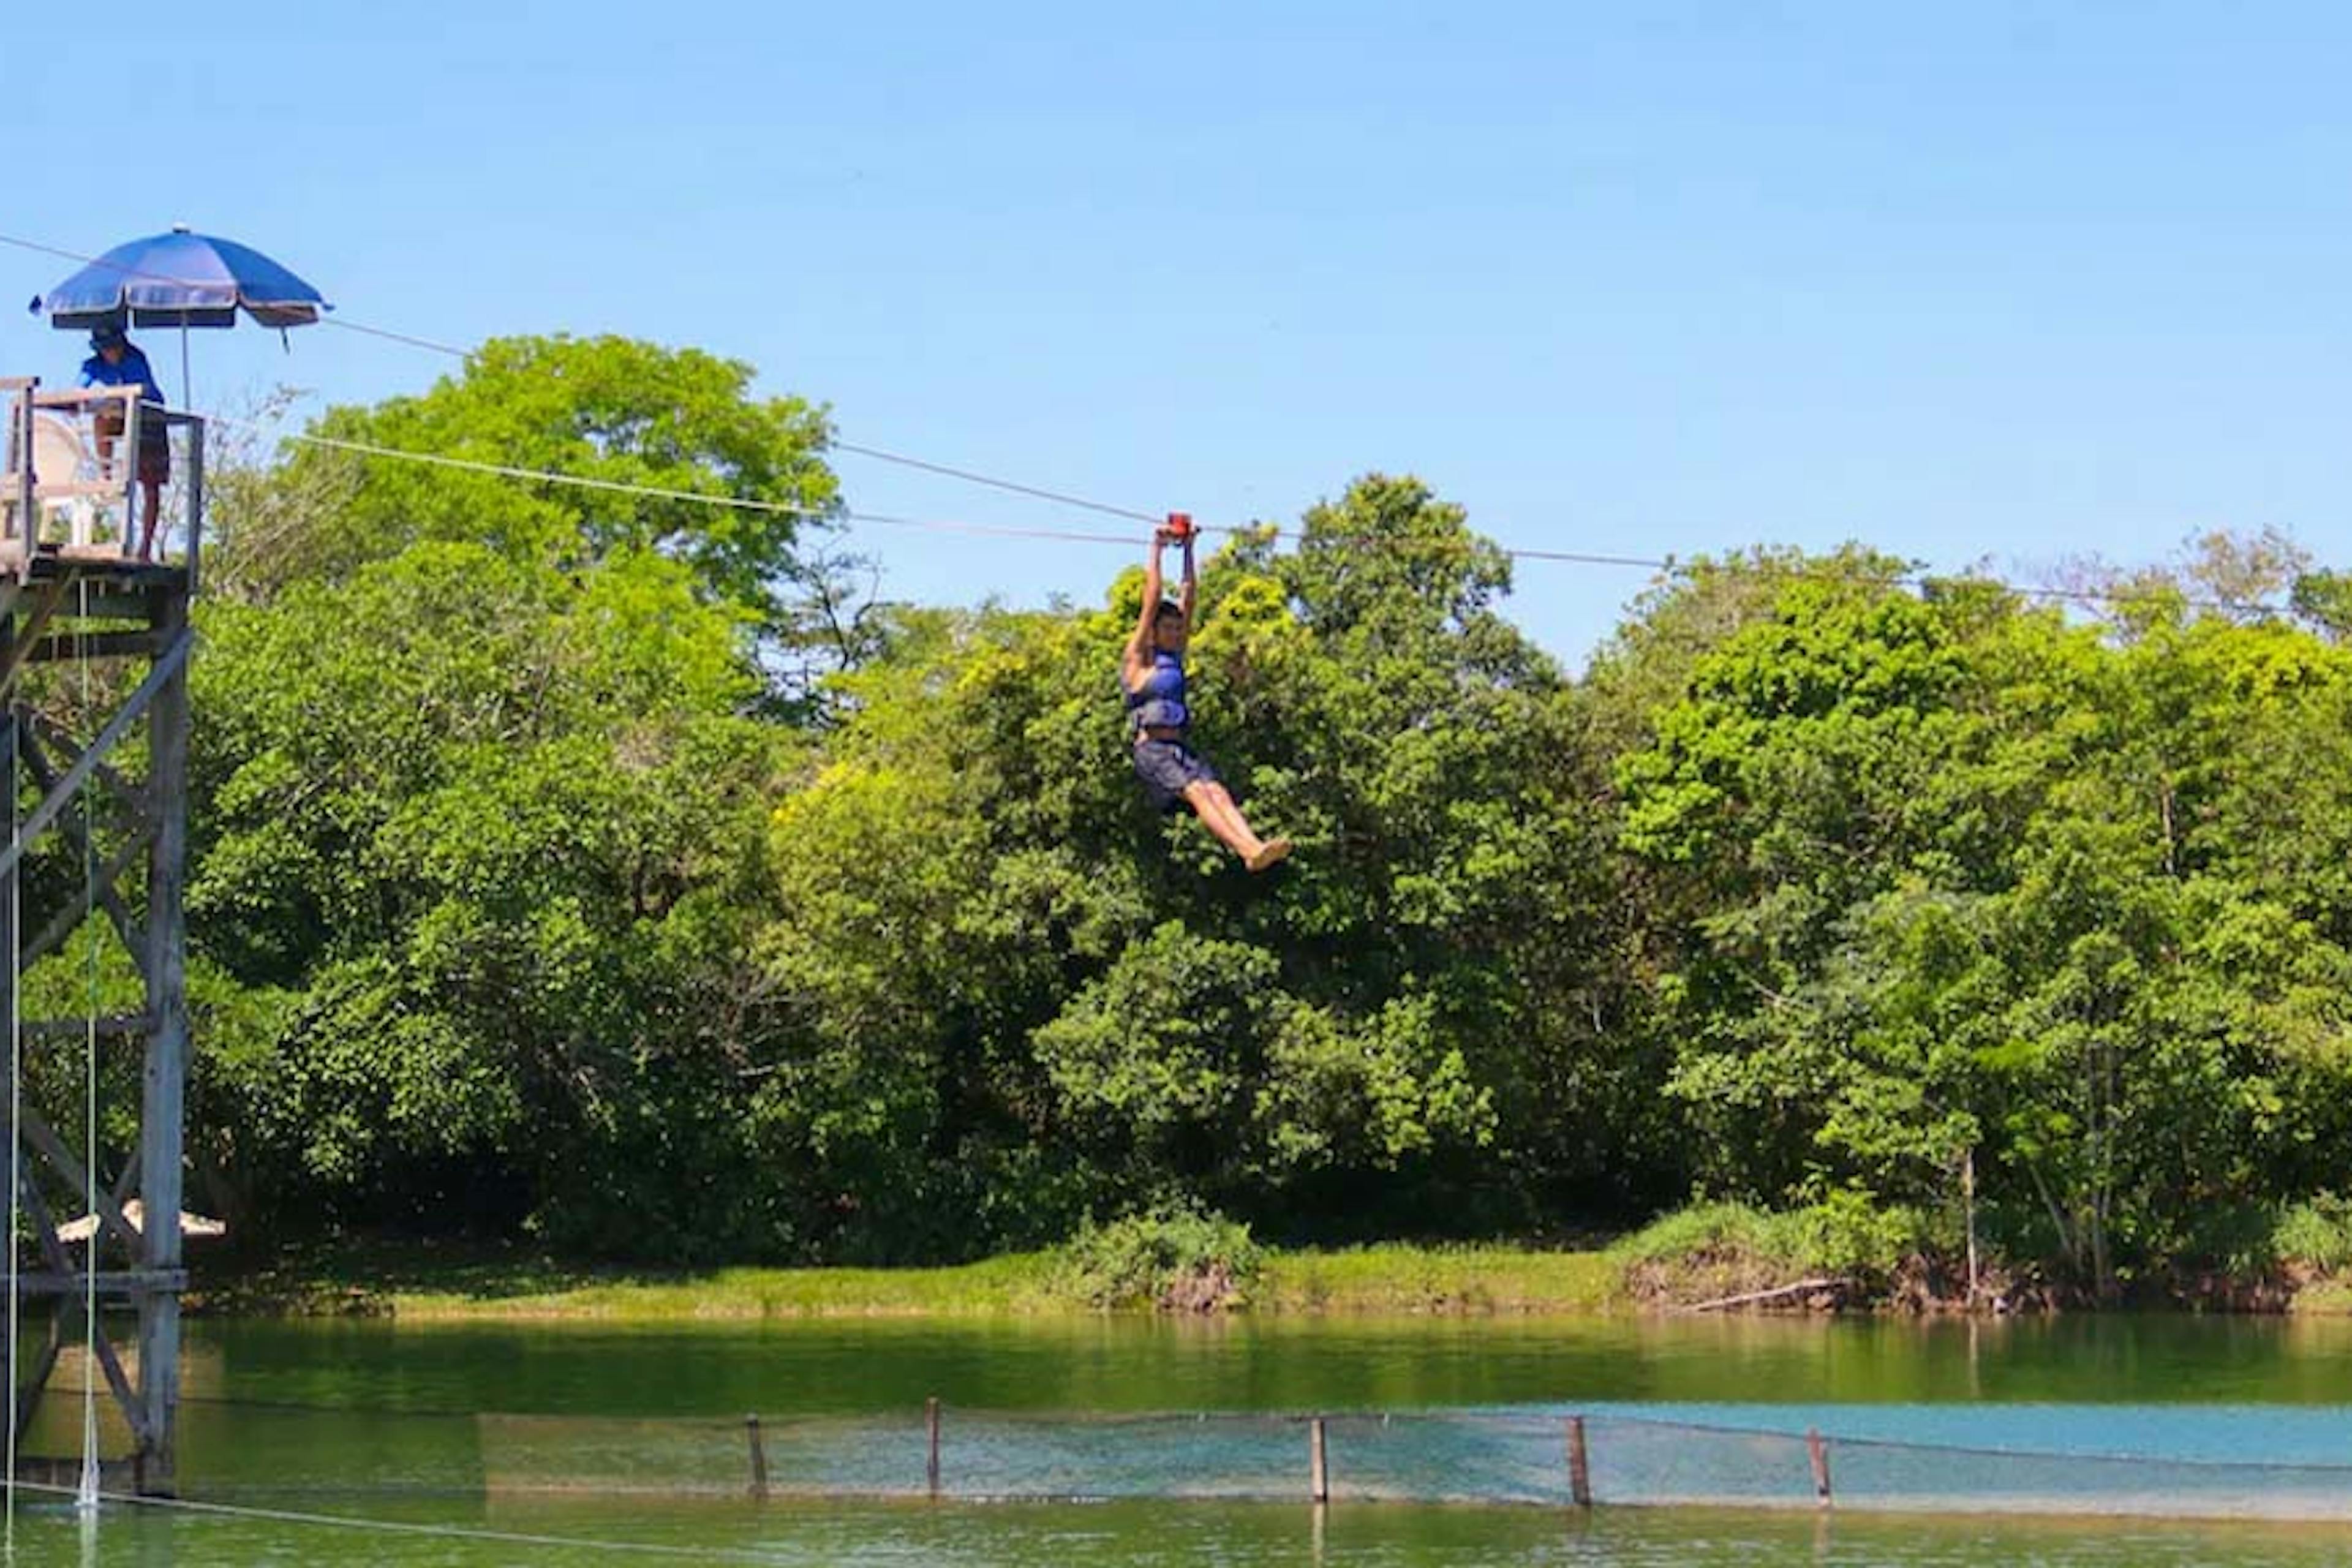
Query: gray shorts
x=1166, y=767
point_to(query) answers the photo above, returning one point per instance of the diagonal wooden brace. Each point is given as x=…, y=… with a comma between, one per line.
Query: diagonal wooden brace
x=167, y=665
x=45, y=608
x=53, y=1149
x=97, y=890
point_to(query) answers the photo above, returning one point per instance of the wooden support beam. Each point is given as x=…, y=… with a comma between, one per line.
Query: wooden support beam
x=45, y=607
x=196, y=507
x=45, y=1362
x=168, y=665
x=45, y=730
x=110, y=592
x=53, y=1149
x=97, y=889
x=45, y=1224
x=58, y=647
x=111, y=1362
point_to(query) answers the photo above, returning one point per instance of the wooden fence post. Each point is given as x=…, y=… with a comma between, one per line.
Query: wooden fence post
x=1819, y=1452
x=1318, y=1471
x=931, y=1429
x=1580, y=1475
x=759, y=1456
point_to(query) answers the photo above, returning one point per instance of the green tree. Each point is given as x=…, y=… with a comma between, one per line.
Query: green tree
x=1009, y=966
x=471, y=834
x=1949, y=884
x=674, y=455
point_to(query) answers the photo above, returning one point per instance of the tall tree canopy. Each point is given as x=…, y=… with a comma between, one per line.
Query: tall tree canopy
x=522, y=903
x=658, y=437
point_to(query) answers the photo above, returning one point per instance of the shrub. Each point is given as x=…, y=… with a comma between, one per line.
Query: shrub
x=1175, y=1259
x=1720, y=1250
x=1846, y=1233
x=2316, y=1233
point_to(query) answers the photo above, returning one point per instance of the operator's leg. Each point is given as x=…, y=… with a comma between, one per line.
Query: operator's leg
x=152, y=489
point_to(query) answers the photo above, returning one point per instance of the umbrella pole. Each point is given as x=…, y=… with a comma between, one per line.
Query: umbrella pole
x=187, y=399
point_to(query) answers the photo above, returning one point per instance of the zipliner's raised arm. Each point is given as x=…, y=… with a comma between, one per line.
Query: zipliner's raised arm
x=1137, y=661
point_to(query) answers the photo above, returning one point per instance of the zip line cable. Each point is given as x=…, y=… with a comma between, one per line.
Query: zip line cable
x=969, y=477
x=1914, y=580
x=878, y=454
x=454, y=351
x=390, y=336
x=659, y=492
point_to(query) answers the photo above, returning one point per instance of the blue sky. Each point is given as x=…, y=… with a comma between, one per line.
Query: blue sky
x=1999, y=281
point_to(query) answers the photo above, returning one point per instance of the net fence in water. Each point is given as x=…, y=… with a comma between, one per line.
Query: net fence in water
x=2220, y=1462
x=1473, y=1456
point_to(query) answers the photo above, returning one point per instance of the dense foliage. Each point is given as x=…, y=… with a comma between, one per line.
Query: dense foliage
x=531, y=893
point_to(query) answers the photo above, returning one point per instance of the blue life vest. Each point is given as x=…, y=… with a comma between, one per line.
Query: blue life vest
x=1158, y=702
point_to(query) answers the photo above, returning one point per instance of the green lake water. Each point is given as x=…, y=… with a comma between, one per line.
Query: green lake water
x=377, y=1442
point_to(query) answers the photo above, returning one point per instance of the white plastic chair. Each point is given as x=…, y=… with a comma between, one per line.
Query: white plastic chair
x=61, y=456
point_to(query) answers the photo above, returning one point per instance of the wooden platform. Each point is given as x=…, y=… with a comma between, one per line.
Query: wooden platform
x=102, y=563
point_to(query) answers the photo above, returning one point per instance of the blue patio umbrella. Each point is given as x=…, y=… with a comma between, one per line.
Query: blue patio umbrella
x=182, y=279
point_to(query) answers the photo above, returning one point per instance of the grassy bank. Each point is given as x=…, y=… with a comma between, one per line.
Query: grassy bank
x=438, y=1284
x=1839, y=1254
x=1400, y=1279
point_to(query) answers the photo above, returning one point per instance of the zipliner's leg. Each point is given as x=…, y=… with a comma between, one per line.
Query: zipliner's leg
x=1213, y=805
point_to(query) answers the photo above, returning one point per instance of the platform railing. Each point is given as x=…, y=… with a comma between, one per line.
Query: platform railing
x=67, y=488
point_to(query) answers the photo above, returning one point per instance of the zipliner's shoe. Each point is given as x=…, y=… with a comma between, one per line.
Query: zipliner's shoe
x=1272, y=852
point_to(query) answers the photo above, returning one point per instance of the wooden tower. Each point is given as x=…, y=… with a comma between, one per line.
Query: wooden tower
x=70, y=591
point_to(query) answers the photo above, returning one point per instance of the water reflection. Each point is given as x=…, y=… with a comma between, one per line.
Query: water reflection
x=1124, y=1363
x=1136, y=1535
x=381, y=1421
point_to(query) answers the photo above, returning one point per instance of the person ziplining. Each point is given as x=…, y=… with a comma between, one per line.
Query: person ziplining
x=1151, y=675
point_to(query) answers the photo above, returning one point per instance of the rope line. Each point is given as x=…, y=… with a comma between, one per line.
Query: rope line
x=1912, y=580
x=15, y=1108
x=970, y=476
x=408, y=1527
x=660, y=492
x=454, y=351
x=64, y=255
x=86, y=1498
x=390, y=336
